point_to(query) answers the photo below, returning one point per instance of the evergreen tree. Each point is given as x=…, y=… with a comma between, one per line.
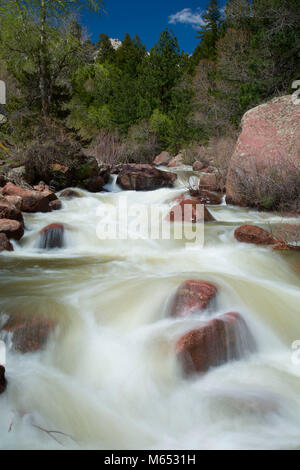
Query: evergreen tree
x=209, y=33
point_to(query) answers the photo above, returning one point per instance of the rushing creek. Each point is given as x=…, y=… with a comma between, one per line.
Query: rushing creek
x=108, y=377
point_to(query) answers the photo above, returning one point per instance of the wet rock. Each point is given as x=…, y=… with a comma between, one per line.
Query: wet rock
x=12, y=228
x=70, y=193
x=143, y=177
x=209, y=181
x=5, y=244
x=162, y=159
x=270, y=138
x=32, y=201
x=191, y=297
x=28, y=332
x=52, y=237
x=8, y=210
x=190, y=210
x=220, y=340
x=55, y=205
x=206, y=197
x=198, y=166
x=255, y=235
x=95, y=184
x=3, y=382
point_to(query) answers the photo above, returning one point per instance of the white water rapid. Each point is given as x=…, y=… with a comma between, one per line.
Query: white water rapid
x=108, y=377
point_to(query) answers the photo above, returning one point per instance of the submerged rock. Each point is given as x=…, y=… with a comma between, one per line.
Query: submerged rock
x=191, y=297
x=222, y=339
x=255, y=235
x=189, y=210
x=11, y=228
x=3, y=382
x=29, y=332
x=5, y=244
x=143, y=177
x=55, y=205
x=70, y=193
x=52, y=236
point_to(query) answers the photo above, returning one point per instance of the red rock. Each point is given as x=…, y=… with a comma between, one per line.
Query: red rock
x=3, y=382
x=52, y=236
x=41, y=187
x=143, y=177
x=176, y=161
x=198, y=166
x=15, y=200
x=29, y=332
x=206, y=197
x=162, y=159
x=32, y=201
x=270, y=137
x=220, y=340
x=191, y=297
x=255, y=235
x=209, y=181
x=55, y=205
x=70, y=193
x=12, y=228
x=9, y=211
x=5, y=244
x=190, y=210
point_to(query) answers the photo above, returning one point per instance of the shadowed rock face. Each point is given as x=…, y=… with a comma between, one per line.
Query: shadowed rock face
x=222, y=339
x=11, y=228
x=52, y=237
x=29, y=332
x=270, y=138
x=255, y=235
x=192, y=297
x=3, y=382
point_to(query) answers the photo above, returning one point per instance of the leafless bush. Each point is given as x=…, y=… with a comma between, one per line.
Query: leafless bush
x=141, y=144
x=275, y=188
x=220, y=150
x=108, y=149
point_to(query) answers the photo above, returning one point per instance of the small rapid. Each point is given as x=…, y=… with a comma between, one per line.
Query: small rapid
x=108, y=377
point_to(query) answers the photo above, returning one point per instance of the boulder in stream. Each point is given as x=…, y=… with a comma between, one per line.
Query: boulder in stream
x=220, y=340
x=52, y=236
x=12, y=228
x=206, y=197
x=143, y=177
x=3, y=382
x=32, y=201
x=5, y=244
x=70, y=193
x=189, y=210
x=191, y=297
x=162, y=159
x=9, y=210
x=28, y=333
x=255, y=235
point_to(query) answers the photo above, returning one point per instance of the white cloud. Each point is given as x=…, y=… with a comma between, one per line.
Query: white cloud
x=187, y=16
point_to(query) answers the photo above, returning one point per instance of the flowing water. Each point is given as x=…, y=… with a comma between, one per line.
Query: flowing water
x=108, y=377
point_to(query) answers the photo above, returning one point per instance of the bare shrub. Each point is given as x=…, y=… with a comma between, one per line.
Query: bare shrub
x=108, y=149
x=141, y=144
x=220, y=150
x=275, y=188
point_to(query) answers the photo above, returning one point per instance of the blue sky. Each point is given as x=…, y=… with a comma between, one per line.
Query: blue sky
x=148, y=18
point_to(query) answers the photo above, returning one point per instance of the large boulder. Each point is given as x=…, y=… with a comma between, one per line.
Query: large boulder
x=28, y=332
x=143, y=177
x=5, y=244
x=162, y=159
x=220, y=340
x=191, y=297
x=8, y=209
x=255, y=235
x=3, y=382
x=32, y=201
x=270, y=138
x=189, y=210
x=12, y=228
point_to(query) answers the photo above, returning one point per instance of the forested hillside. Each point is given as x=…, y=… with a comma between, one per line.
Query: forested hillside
x=132, y=102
